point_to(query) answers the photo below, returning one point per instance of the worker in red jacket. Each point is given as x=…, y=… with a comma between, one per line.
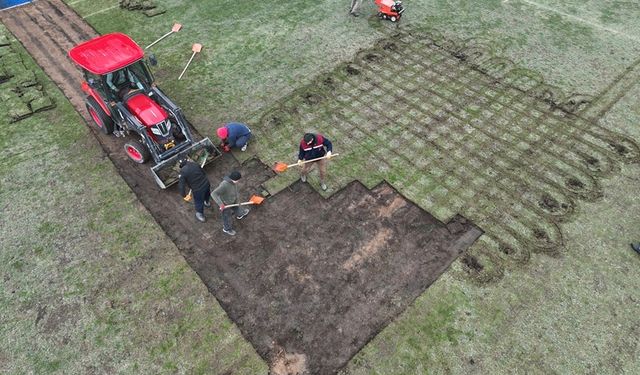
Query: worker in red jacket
x=313, y=146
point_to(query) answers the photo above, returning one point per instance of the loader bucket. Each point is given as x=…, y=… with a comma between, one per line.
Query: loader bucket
x=166, y=173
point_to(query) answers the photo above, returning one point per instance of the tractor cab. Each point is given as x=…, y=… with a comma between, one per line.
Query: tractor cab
x=128, y=79
x=124, y=100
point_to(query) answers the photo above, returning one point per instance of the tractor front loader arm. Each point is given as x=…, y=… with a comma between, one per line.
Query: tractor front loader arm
x=166, y=172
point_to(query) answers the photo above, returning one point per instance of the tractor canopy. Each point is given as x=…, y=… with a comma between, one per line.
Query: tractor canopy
x=106, y=53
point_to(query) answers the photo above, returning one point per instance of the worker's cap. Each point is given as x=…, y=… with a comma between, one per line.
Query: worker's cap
x=222, y=132
x=309, y=138
x=235, y=175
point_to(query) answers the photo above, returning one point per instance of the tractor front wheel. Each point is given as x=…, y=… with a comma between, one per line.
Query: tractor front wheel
x=393, y=18
x=102, y=120
x=137, y=152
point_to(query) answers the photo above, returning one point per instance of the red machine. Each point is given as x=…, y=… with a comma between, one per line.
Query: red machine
x=123, y=99
x=390, y=9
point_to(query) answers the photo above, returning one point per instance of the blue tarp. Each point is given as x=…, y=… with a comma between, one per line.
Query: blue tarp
x=4, y=4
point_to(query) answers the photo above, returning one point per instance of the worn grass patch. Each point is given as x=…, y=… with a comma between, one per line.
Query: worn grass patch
x=90, y=282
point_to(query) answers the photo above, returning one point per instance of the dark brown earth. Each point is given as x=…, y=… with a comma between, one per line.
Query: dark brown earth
x=321, y=278
x=308, y=281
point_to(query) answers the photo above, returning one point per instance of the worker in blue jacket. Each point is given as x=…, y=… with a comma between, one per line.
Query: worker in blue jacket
x=313, y=146
x=234, y=135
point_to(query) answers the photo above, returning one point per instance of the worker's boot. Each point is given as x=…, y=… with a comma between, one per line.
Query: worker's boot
x=207, y=204
x=242, y=214
x=230, y=232
x=200, y=217
x=303, y=178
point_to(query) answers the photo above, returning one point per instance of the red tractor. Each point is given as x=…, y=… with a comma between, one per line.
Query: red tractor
x=390, y=9
x=123, y=99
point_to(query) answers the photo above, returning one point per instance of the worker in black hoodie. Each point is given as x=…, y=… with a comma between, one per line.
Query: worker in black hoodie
x=193, y=176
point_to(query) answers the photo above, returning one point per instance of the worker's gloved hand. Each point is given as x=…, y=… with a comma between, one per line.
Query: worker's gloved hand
x=188, y=197
x=222, y=207
x=328, y=154
x=299, y=162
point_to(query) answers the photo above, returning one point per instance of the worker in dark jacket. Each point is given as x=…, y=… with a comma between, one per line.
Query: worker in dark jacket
x=234, y=135
x=313, y=146
x=193, y=176
x=225, y=194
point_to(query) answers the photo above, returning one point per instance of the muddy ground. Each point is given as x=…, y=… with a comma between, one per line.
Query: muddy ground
x=320, y=278
x=313, y=278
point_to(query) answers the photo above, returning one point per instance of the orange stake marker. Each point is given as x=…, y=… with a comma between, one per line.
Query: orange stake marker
x=176, y=27
x=196, y=48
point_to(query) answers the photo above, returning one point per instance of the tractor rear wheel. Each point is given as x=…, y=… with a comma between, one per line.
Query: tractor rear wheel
x=393, y=19
x=102, y=120
x=137, y=152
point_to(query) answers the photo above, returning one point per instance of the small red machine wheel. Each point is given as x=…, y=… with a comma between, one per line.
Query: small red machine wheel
x=137, y=152
x=102, y=120
x=393, y=18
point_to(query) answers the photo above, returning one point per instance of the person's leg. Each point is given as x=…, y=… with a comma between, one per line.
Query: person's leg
x=202, y=197
x=322, y=169
x=241, y=212
x=207, y=196
x=242, y=141
x=198, y=202
x=198, y=199
x=227, y=217
x=304, y=171
x=355, y=5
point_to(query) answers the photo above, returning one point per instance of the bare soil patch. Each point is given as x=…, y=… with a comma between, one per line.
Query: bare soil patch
x=319, y=278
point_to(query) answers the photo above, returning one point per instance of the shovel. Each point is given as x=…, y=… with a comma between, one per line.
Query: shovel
x=197, y=47
x=190, y=196
x=281, y=167
x=176, y=27
x=255, y=199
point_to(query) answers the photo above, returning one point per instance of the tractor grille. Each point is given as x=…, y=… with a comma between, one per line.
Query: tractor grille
x=162, y=128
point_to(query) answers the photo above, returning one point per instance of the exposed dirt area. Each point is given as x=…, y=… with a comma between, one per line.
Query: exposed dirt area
x=308, y=281
x=318, y=279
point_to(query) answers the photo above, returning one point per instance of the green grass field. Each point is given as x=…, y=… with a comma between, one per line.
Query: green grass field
x=91, y=284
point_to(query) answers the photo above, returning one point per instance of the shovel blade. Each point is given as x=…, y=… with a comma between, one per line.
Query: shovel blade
x=176, y=27
x=280, y=167
x=197, y=47
x=256, y=199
